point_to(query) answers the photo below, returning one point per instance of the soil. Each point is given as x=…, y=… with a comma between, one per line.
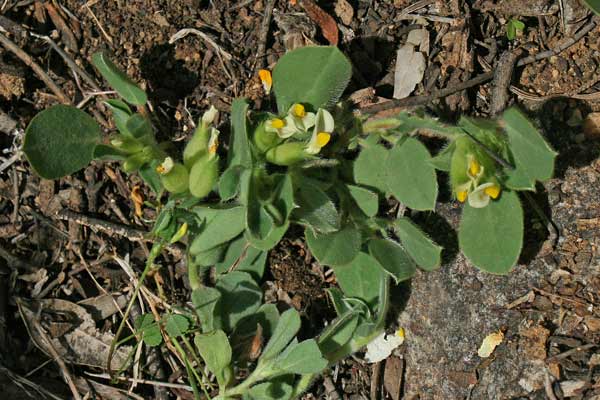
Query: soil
x=547, y=308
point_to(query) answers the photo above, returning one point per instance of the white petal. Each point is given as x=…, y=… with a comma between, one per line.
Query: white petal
x=309, y=120
x=489, y=344
x=209, y=116
x=478, y=198
x=289, y=129
x=382, y=347
x=324, y=121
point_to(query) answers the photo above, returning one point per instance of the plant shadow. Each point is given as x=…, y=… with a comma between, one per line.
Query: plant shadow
x=168, y=78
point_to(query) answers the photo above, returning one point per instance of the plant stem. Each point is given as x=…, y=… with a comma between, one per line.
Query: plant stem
x=154, y=253
x=191, y=371
x=194, y=275
x=261, y=372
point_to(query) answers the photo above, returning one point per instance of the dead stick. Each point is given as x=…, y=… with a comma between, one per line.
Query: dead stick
x=569, y=353
x=264, y=33
x=106, y=226
x=502, y=77
x=11, y=46
x=59, y=361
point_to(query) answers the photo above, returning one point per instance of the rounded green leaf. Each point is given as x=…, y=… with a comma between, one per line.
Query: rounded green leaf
x=176, y=325
x=369, y=168
x=148, y=328
x=240, y=297
x=361, y=278
x=393, y=259
x=410, y=176
x=118, y=80
x=337, y=248
x=314, y=75
x=365, y=199
x=492, y=236
x=60, y=141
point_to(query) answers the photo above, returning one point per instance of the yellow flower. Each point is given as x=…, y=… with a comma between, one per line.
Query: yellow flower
x=266, y=80
x=480, y=196
x=284, y=128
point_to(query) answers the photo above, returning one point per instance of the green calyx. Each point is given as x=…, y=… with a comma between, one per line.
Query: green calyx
x=287, y=154
x=203, y=175
x=265, y=140
x=177, y=179
x=197, y=146
x=126, y=144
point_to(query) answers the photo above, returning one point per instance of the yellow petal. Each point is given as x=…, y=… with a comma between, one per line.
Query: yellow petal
x=277, y=123
x=492, y=191
x=489, y=344
x=462, y=196
x=266, y=79
x=299, y=110
x=323, y=138
x=474, y=167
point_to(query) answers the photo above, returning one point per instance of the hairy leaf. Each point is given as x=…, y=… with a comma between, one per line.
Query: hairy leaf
x=336, y=248
x=409, y=175
x=60, y=140
x=423, y=250
x=393, y=258
x=118, y=80
x=287, y=327
x=492, y=236
x=369, y=167
x=311, y=75
x=361, y=278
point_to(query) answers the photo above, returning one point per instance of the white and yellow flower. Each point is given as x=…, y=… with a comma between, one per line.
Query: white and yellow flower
x=481, y=195
x=478, y=195
x=324, y=126
x=284, y=127
x=303, y=119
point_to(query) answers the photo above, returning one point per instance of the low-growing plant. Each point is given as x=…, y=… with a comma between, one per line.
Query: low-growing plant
x=313, y=163
x=513, y=28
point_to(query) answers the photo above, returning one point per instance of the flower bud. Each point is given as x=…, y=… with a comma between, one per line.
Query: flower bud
x=287, y=154
x=197, y=146
x=204, y=175
x=176, y=179
x=263, y=139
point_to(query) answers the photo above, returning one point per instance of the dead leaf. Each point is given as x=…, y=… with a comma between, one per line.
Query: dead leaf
x=392, y=376
x=325, y=21
x=383, y=345
x=573, y=388
x=533, y=342
x=79, y=341
x=344, y=11
x=489, y=344
x=410, y=67
x=138, y=200
x=526, y=298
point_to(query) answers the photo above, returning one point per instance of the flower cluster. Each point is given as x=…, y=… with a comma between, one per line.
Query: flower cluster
x=477, y=193
x=297, y=136
x=472, y=175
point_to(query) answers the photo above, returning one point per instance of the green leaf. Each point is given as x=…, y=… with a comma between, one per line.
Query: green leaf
x=393, y=259
x=279, y=388
x=338, y=333
x=267, y=316
x=240, y=297
x=229, y=182
x=139, y=126
x=176, y=325
x=512, y=27
x=301, y=358
x=365, y=199
x=369, y=167
x=442, y=161
x=361, y=278
x=121, y=113
x=244, y=257
x=107, y=152
x=492, y=236
x=147, y=326
x=409, y=175
x=593, y=5
x=533, y=157
x=287, y=327
x=239, y=144
x=311, y=75
x=205, y=301
x=336, y=248
x=151, y=177
x=411, y=122
x=215, y=350
x=118, y=80
x=209, y=257
x=223, y=225
x=60, y=141
x=315, y=208
x=423, y=250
